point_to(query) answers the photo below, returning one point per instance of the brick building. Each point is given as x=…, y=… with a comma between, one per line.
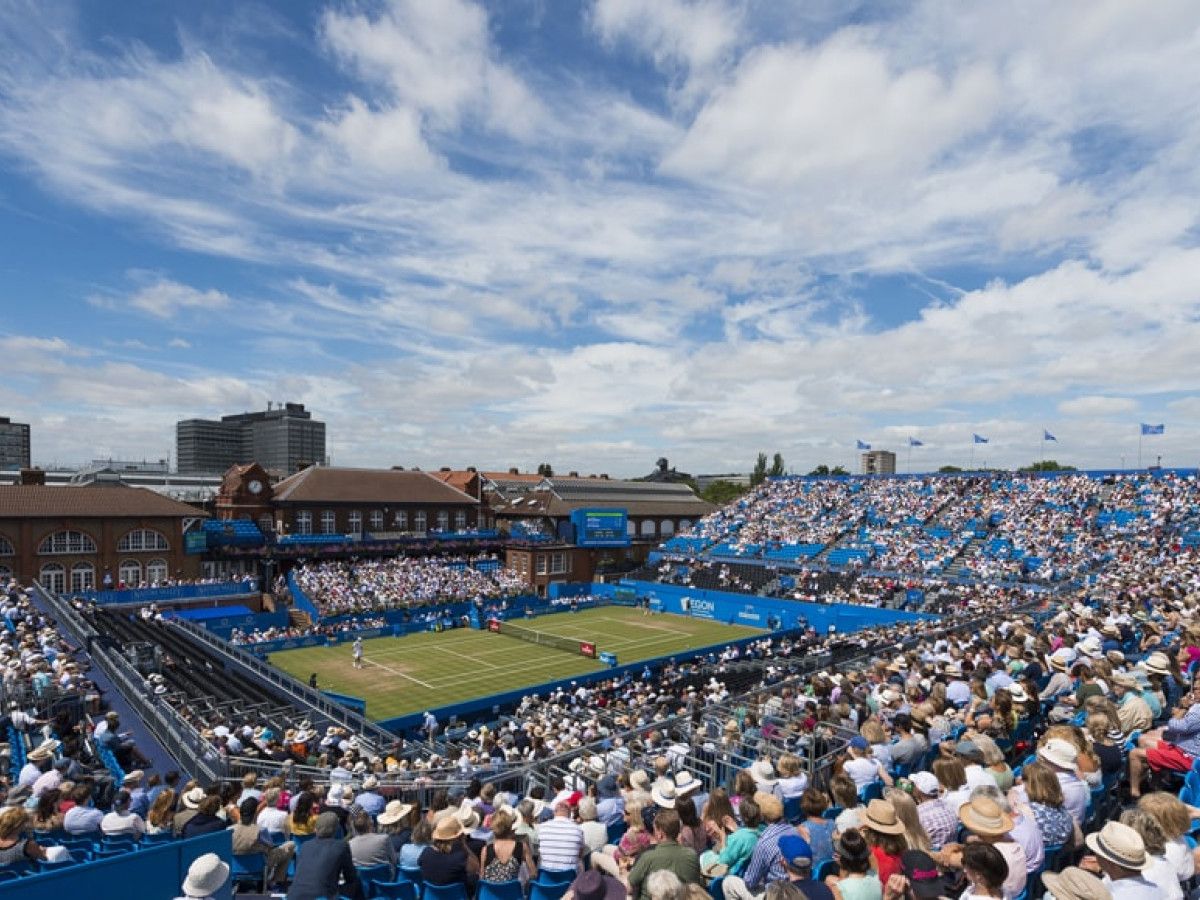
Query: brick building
x=70, y=538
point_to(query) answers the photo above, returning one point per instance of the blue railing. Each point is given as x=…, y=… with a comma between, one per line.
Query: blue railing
x=173, y=594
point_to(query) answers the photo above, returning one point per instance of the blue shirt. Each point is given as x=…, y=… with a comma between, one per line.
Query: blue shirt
x=371, y=802
x=1185, y=733
x=766, y=863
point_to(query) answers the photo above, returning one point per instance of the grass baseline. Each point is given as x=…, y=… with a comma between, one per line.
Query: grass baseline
x=402, y=676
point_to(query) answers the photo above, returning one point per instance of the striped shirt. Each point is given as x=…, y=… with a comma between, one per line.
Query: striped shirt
x=560, y=844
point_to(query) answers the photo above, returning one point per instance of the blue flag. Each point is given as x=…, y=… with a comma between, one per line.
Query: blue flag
x=1047, y=436
x=1152, y=429
x=913, y=442
x=979, y=439
x=862, y=445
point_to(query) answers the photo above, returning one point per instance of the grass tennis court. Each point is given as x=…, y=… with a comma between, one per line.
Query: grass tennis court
x=416, y=672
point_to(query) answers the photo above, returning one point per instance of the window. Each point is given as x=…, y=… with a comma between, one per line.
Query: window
x=560, y=563
x=443, y=520
x=83, y=577
x=266, y=524
x=400, y=520
x=647, y=528
x=685, y=524
x=67, y=542
x=328, y=521
x=666, y=527
x=631, y=527
x=157, y=571
x=141, y=540
x=460, y=520
x=355, y=522
x=304, y=522
x=53, y=578
x=5, y=574
x=130, y=572
x=6, y=547
x=376, y=520
x=419, y=521
x=541, y=563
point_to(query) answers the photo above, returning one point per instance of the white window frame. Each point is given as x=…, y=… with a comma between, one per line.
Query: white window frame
x=542, y=564
x=304, y=522
x=130, y=565
x=460, y=520
x=161, y=572
x=64, y=543
x=83, y=577
x=143, y=540
x=328, y=521
x=400, y=520
x=443, y=520
x=420, y=521
x=355, y=520
x=57, y=582
x=560, y=563
x=377, y=520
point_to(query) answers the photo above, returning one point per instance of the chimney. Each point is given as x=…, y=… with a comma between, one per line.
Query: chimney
x=514, y=471
x=33, y=477
x=444, y=469
x=397, y=468
x=472, y=469
x=604, y=476
x=572, y=474
x=270, y=403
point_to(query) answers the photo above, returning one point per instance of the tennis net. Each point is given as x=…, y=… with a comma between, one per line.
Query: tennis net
x=557, y=642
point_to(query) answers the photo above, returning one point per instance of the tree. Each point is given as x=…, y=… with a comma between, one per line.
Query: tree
x=949, y=469
x=545, y=470
x=1047, y=465
x=759, y=474
x=720, y=493
x=822, y=469
x=776, y=469
x=838, y=470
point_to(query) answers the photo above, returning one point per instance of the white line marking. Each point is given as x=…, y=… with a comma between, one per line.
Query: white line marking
x=401, y=674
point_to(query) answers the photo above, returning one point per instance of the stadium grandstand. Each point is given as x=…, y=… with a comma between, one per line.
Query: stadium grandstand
x=975, y=685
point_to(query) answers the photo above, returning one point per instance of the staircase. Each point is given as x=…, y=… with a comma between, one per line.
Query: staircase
x=299, y=619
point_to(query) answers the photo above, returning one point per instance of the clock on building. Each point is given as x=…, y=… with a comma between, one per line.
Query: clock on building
x=255, y=486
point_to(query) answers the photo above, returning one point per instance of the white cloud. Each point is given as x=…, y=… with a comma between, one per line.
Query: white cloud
x=163, y=298
x=690, y=34
x=1097, y=407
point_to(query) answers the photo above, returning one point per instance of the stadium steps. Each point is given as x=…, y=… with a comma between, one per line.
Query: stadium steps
x=299, y=619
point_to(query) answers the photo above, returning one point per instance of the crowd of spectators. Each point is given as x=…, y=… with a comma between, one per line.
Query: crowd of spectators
x=359, y=586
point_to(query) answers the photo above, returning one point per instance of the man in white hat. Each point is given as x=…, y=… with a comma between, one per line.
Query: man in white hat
x=1120, y=854
x=206, y=876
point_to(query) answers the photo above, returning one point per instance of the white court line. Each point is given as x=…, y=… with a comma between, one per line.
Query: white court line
x=474, y=659
x=424, y=684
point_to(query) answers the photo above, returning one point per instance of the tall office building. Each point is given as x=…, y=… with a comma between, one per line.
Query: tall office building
x=281, y=439
x=879, y=462
x=14, y=444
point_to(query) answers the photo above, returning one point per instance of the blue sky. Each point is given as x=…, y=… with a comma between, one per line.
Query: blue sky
x=598, y=233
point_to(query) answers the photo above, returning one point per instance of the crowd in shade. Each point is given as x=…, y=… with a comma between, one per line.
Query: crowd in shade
x=995, y=528
x=364, y=586
x=328, y=629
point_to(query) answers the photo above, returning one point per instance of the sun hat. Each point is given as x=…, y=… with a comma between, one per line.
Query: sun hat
x=595, y=885
x=1073, y=883
x=448, y=828
x=206, y=875
x=763, y=772
x=1158, y=663
x=923, y=874
x=133, y=777
x=370, y=783
x=685, y=783
x=394, y=811
x=663, y=793
x=1126, y=681
x=467, y=816
x=194, y=797
x=1017, y=693
x=926, y=783
x=793, y=847
x=1059, y=752
x=983, y=815
x=711, y=865
x=1120, y=845
x=880, y=815
x=1116, y=657
x=639, y=780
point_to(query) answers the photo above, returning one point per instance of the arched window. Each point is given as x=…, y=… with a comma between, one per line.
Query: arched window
x=62, y=542
x=53, y=578
x=377, y=520
x=83, y=577
x=460, y=520
x=631, y=527
x=355, y=521
x=141, y=541
x=666, y=527
x=157, y=571
x=130, y=572
x=685, y=524
x=400, y=520
x=328, y=521
x=266, y=524
x=5, y=574
x=304, y=522
x=419, y=521
x=443, y=520
x=647, y=528
x=6, y=547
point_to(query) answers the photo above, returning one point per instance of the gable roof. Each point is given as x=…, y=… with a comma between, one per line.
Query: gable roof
x=325, y=484
x=92, y=501
x=456, y=478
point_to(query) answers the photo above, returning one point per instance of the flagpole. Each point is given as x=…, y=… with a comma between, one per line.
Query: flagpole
x=1139, y=447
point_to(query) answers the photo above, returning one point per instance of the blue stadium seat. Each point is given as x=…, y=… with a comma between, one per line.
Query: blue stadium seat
x=501, y=890
x=250, y=867
x=446, y=892
x=372, y=874
x=402, y=889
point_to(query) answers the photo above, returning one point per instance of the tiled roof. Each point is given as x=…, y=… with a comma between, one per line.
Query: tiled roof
x=89, y=501
x=323, y=484
x=460, y=479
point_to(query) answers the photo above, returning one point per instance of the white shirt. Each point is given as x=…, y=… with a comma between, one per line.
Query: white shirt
x=130, y=823
x=1075, y=796
x=1131, y=889
x=271, y=819
x=863, y=771
x=1161, y=874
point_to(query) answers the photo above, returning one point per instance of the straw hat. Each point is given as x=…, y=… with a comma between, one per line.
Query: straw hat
x=370, y=783
x=1120, y=845
x=639, y=780
x=1075, y=884
x=448, y=828
x=685, y=783
x=394, y=812
x=880, y=815
x=1059, y=753
x=194, y=797
x=763, y=772
x=983, y=815
x=467, y=816
x=206, y=875
x=663, y=793
x=1127, y=682
x=1017, y=693
x=1158, y=663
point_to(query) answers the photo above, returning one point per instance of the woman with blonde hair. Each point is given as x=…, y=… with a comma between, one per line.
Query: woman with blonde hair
x=1158, y=871
x=13, y=845
x=1087, y=762
x=1174, y=817
x=872, y=730
x=792, y=781
x=162, y=813
x=994, y=761
x=906, y=811
x=1043, y=794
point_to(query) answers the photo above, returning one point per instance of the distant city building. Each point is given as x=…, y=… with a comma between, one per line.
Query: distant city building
x=283, y=439
x=14, y=444
x=704, y=482
x=879, y=462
